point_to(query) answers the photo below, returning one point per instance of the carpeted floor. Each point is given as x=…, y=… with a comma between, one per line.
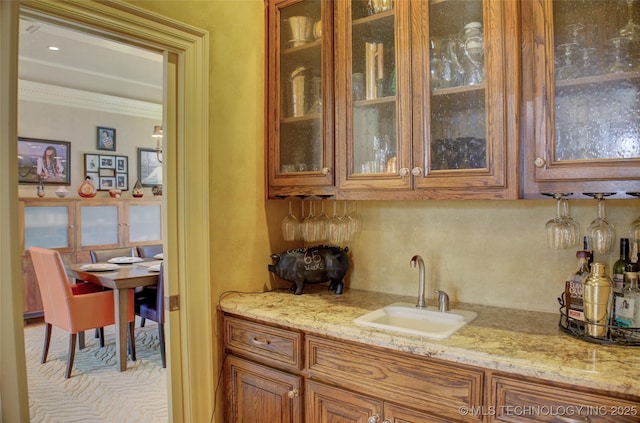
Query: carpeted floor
x=96, y=391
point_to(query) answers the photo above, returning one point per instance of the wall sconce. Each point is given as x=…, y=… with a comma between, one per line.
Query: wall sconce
x=157, y=133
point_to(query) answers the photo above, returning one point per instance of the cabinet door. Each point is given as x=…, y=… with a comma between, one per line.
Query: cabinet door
x=583, y=98
x=259, y=394
x=99, y=224
x=397, y=414
x=143, y=223
x=47, y=224
x=465, y=76
x=300, y=98
x=373, y=97
x=328, y=404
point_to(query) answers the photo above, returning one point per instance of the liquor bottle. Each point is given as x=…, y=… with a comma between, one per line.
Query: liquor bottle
x=619, y=266
x=597, y=301
x=574, y=287
x=587, y=246
x=627, y=306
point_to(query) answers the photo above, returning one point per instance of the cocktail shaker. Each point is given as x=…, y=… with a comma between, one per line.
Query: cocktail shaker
x=598, y=289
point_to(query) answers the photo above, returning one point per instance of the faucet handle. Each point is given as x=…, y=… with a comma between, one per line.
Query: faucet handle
x=443, y=300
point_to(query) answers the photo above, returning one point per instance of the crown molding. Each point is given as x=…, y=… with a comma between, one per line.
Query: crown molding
x=62, y=96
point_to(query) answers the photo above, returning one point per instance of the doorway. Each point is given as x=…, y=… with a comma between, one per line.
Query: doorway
x=185, y=53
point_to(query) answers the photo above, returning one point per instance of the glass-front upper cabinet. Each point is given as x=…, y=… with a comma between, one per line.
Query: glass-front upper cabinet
x=585, y=96
x=465, y=127
x=373, y=74
x=47, y=224
x=300, y=98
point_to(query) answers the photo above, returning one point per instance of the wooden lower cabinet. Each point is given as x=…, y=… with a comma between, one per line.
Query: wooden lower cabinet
x=325, y=403
x=519, y=399
x=260, y=394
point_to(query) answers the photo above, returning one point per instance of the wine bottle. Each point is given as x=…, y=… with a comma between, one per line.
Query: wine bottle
x=574, y=287
x=619, y=266
x=627, y=306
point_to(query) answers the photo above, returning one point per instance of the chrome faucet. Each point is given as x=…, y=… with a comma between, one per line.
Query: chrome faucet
x=414, y=260
x=443, y=300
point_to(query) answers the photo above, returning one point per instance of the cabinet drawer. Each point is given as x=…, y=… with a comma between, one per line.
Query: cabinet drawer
x=436, y=386
x=279, y=347
x=515, y=400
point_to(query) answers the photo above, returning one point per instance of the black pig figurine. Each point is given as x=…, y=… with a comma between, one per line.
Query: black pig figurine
x=317, y=264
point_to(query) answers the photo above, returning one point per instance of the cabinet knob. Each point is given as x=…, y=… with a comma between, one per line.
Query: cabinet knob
x=375, y=418
x=326, y=170
x=416, y=171
x=404, y=172
x=539, y=162
x=293, y=393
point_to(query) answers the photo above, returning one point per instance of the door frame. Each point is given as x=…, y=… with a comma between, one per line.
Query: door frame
x=185, y=223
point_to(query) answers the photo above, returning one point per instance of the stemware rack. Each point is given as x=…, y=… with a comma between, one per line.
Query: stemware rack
x=616, y=335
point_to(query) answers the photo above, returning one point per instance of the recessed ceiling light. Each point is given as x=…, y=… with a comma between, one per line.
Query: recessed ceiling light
x=53, y=48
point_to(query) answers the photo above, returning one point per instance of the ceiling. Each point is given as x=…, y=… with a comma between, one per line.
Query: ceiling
x=88, y=63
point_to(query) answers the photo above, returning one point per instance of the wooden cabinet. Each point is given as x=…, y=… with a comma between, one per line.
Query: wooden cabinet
x=581, y=97
x=442, y=122
x=300, y=153
x=74, y=227
x=513, y=399
x=260, y=394
x=403, y=126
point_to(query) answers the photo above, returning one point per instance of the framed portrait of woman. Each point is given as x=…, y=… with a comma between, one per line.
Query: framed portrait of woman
x=106, y=138
x=45, y=161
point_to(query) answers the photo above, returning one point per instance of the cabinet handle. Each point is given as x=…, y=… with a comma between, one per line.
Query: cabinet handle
x=539, y=162
x=293, y=393
x=404, y=172
x=326, y=171
x=416, y=171
x=373, y=419
x=259, y=341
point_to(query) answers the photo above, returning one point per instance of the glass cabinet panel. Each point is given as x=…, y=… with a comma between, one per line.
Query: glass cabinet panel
x=597, y=79
x=301, y=121
x=46, y=227
x=457, y=78
x=99, y=225
x=373, y=87
x=145, y=223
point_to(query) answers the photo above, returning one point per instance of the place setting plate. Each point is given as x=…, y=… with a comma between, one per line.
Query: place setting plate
x=154, y=268
x=159, y=256
x=100, y=267
x=125, y=260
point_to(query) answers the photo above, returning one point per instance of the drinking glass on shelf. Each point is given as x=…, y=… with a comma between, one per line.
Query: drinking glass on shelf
x=290, y=226
x=334, y=228
x=322, y=220
x=573, y=228
x=310, y=229
x=634, y=234
x=631, y=30
x=600, y=230
x=356, y=219
x=346, y=225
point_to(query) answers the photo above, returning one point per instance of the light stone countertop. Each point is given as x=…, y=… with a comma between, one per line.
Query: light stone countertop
x=514, y=341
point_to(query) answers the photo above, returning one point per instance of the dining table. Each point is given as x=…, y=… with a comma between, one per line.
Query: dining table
x=121, y=280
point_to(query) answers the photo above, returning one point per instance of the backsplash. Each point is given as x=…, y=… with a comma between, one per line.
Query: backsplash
x=482, y=252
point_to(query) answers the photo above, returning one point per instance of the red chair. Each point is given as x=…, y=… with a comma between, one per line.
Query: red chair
x=74, y=308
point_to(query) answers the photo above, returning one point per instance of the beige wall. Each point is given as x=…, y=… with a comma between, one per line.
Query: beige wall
x=489, y=252
x=78, y=126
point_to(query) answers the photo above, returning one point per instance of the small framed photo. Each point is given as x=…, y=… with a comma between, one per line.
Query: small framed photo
x=106, y=138
x=107, y=162
x=149, y=167
x=122, y=164
x=44, y=161
x=91, y=163
x=108, y=182
x=122, y=181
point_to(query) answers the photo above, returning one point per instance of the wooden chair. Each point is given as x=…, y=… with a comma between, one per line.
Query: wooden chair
x=148, y=251
x=100, y=256
x=150, y=305
x=74, y=308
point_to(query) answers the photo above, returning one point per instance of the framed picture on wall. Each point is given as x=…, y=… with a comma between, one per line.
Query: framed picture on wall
x=149, y=167
x=106, y=138
x=107, y=171
x=44, y=161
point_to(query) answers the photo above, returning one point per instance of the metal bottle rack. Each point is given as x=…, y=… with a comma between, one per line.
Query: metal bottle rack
x=616, y=335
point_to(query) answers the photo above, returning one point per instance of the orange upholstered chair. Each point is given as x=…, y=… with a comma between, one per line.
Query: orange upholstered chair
x=73, y=308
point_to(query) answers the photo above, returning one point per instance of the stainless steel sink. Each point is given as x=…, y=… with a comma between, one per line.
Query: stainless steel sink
x=407, y=318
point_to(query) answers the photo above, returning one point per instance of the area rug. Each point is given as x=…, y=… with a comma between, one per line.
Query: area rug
x=96, y=391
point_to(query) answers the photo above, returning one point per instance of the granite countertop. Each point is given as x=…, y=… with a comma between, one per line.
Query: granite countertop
x=514, y=341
